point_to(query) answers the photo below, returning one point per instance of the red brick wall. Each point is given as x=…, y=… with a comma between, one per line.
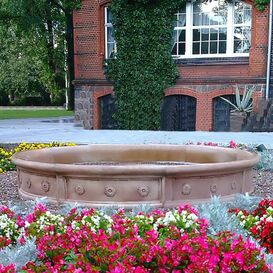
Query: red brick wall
x=88, y=43
x=89, y=57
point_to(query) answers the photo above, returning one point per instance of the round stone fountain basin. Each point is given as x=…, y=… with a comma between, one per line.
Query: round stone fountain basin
x=130, y=175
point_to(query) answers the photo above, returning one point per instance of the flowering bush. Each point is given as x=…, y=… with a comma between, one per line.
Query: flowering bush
x=9, y=230
x=259, y=223
x=161, y=241
x=5, y=155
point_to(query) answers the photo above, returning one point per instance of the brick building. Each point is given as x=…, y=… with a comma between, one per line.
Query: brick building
x=216, y=45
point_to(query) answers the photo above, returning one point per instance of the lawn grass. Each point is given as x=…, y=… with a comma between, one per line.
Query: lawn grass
x=17, y=114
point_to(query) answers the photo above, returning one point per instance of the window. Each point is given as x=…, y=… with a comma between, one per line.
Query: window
x=110, y=44
x=212, y=29
x=203, y=29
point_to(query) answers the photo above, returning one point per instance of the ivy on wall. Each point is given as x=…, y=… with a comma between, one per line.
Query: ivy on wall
x=260, y=5
x=143, y=66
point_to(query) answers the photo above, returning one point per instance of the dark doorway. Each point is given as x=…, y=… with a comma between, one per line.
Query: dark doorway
x=107, y=109
x=221, y=113
x=178, y=113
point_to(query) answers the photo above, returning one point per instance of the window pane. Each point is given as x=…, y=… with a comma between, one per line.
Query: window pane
x=238, y=16
x=214, y=34
x=110, y=37
x=242, y=13
x=181, y=49
x=246, y=46
x=238, y=33
x=197, y=6
x=110, y=49
x=205, y=34
x=222, y=47
x=238, y=45
x=222, y=15
x=222, y=33
x=209, y=13
x=204, y=48
x=247, y=33
x=196, y=35
x=196, y=48
x=174, y=49
x=182, y=35
x=181, y=20
x=109, y=17
x=174, y=42
x=242, y=37
x=204, y=19
x=213, y=47
x=196, y=20
x=247, y=16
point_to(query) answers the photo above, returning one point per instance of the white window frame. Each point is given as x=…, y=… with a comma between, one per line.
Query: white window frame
x=189, y=34
x=106, y=26
x=230, y=35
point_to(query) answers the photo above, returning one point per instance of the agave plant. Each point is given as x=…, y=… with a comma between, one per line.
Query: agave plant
x=244, y=104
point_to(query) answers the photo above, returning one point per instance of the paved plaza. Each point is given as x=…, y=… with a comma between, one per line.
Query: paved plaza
x=64, y=130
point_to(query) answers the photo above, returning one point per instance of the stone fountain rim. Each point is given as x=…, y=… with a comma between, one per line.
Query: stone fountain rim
x=139, y=169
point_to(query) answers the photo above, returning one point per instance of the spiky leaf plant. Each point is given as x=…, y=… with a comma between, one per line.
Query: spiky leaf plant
x=242, y=105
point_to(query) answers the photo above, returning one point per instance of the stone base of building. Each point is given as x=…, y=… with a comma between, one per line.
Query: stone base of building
x=210, y=111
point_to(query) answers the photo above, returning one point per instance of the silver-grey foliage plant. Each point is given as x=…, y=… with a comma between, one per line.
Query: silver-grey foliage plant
x=266, y=160
x=19, y=254
x=219, y=219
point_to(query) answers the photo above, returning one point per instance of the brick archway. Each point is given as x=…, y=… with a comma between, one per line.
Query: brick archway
x=96, y=106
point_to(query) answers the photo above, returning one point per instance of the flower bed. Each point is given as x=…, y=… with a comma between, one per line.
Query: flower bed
x=259, y=223
x=6, y=154
x=91, y=241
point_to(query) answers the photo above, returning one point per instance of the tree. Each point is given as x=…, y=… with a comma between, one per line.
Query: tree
x=51, y=22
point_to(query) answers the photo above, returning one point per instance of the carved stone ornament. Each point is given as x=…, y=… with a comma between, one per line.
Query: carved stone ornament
x=29, y=183
x=79, y=189
x=186, y=190
x=110, y=191
x=233, y=185
x=143, y=191
x=213, y=188
x=45, y=186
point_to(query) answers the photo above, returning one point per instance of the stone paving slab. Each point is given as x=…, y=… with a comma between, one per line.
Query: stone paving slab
x=64, y=130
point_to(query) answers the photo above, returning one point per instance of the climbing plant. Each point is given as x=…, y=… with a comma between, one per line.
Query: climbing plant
x=260, y=5
x=143, y=66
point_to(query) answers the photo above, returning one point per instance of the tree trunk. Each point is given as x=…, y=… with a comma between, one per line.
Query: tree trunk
x=70, y=58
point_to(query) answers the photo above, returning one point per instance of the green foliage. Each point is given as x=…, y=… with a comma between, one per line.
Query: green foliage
x=34, y=49
x=260, y=5
x=22, y=63
x=143, y=66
